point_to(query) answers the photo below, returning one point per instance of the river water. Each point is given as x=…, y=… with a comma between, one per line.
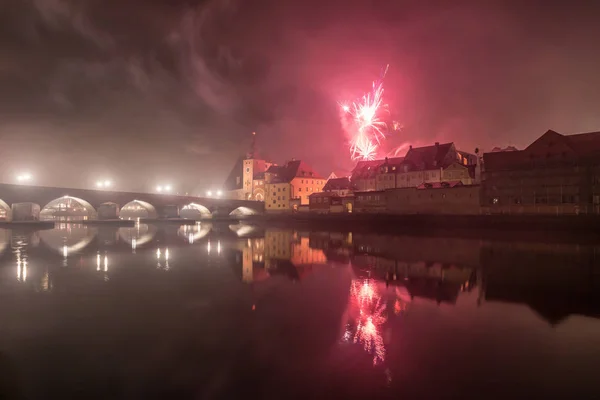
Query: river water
x=234, y=311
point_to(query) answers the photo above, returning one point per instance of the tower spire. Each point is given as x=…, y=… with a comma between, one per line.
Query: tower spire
x=252, y=152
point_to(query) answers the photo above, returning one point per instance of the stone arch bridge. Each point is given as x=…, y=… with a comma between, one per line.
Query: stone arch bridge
x=55, y=202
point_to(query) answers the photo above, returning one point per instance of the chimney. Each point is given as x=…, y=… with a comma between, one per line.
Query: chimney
x=437, y=144
x=410, y=147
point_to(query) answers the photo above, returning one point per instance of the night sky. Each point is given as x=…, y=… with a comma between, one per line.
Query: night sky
x=149, y=91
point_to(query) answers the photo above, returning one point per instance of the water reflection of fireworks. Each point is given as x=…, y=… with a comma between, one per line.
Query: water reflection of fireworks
x=366, y=299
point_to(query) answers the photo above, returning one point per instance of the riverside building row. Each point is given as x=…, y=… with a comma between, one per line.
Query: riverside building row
x=556, y=174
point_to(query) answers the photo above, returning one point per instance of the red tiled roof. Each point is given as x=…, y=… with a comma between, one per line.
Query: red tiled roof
x=428, y=157
x=338, y=184
x=291, y=170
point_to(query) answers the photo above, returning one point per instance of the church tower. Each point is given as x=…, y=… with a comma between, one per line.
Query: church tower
x=248, y=172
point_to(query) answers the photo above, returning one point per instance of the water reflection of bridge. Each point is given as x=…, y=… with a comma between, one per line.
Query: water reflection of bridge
x=555, y=280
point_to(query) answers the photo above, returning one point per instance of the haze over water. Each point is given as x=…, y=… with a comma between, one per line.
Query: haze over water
x=232, y=311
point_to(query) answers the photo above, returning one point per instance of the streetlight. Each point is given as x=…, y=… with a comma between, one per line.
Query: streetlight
x=208, y=193
x=103, y=184
x=159, y=189
x=219, y=193
x=168, y=188
x=26, y=177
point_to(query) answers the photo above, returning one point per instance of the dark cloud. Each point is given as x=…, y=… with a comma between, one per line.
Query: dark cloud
x=170, y=90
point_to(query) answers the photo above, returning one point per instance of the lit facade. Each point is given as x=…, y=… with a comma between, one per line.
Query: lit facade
x=277, y=196
x=303, y=186
x=293, y=181
x=246, y=180
x=428, y=164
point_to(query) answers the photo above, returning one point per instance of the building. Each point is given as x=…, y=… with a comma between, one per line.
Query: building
x=437, y=163
x=322, y=202
x=428, y=164
x=339, y=186
x=246, y=180
x=294, y=180
x=556, y=174
x=364, y=175
x=370, y=201
x=435, y=198
x=386, y=177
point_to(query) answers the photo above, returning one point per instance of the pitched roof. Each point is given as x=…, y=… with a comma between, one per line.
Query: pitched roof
x=231, y=183
x=393, y=160
x=292, y=169
x=338, y=184
x=365, y=169
x=428, y=157
x=583, y=145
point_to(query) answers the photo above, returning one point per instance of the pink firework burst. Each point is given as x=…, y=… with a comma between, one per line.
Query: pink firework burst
x=362, y=123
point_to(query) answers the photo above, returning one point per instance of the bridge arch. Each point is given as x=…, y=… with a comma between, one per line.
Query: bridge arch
x=138, y=209
x=68, y=207
x=5, y=211
x=242, y=212
x=195, y=211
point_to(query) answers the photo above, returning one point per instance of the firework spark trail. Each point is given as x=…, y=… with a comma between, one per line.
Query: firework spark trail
x=367, y=130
